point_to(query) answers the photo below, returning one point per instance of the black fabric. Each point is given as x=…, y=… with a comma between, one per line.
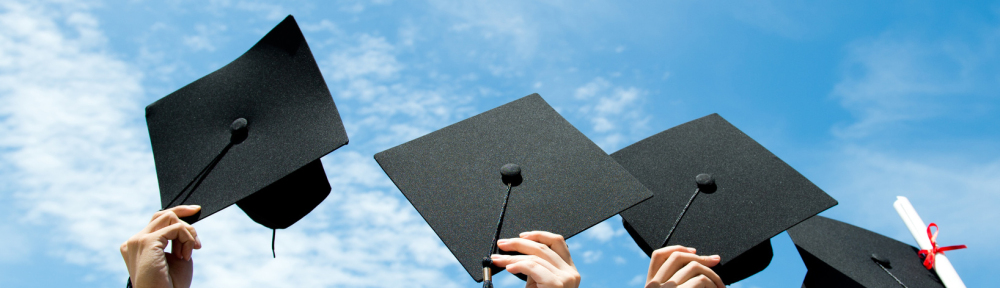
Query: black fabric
x=290, y=122
x=452, y=177
x=838, y=254
x=755, y=197
x=281, y=204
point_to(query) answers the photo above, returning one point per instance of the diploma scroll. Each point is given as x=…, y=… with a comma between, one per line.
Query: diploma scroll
x=918, y=229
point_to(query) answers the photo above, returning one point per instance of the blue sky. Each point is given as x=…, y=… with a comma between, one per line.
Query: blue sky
x=868, y=100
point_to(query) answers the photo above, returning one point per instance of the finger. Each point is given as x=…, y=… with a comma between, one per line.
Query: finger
x=678, y=260
x=179, y=210
x=699, y=282
x=185, y=210
x=169, y=218
x=161, y=219
x=694, y=270
x=555, y=242
x=176, y=248
x=654, y=284
x=534, y=268
x=177, y=232
x=504, y=260
x=189, y=247
x=529, y=247
x=181, y=271
x=660, y=255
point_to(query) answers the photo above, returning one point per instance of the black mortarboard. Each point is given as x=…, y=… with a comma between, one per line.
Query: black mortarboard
x=838, y=254
x=737, y=195
x=453, y=178
x=249, y=133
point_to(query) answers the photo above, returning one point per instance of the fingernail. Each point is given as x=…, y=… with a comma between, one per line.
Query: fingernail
x=714, y=257
x=693, y=250
x=502, y=241
x=522, y=234
x=194, y=206
x=498, y=257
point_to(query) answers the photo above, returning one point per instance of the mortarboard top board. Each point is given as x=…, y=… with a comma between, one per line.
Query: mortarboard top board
x=250, y=133
x=746, y=195
x=453, y=178
x=838, y=254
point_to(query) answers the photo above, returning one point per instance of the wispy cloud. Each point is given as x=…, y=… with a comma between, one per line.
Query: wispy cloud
x=497, y=22
x=386, y=96
x=893, y=80
x=371, y=57
x=904, y=87
x=76, y=155
x=958, y=194
x=205, y=38
x=615, y=113
x=604, y=231
x=76, y=148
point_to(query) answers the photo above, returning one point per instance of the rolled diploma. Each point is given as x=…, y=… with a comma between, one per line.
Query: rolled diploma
x=918, y=229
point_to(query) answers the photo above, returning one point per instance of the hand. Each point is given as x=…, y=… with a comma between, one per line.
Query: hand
x=149, y=266
x=679, y=267
x=546, y=260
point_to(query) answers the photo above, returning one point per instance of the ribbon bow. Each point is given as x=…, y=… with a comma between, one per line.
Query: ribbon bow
x=928, y=254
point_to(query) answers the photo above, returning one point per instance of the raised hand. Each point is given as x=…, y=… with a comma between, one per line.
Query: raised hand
x=679, y=267
x=546, y=260
x=149, y=265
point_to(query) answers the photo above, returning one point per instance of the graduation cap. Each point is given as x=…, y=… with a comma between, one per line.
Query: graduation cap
x=838, y=254
x=717, y=190
x=250, y=133
x=459, y=180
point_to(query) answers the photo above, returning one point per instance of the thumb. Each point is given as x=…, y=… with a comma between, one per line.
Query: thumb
x=185, y=210
x=710, y=261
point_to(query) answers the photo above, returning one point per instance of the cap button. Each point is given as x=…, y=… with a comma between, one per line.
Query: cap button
x=240, y=124
x=239, y=130
x=706, y=183
x=511, y=174
x=881, y=260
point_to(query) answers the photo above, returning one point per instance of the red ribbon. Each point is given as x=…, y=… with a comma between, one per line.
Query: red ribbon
x=928, y=254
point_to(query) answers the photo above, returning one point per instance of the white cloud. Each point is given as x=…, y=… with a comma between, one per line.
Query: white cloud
x=894, y=86
x=891, y=81
x=206, y=37
x=273, y=12
x=373, y=56
x=604, y=231
x=616, y=113
x=387, y=99
x=358, y=6
x=507, y=280
x=959, y=195
x=591, y=256
x=495, y=21
x=74, y=142
x=638, y=280
x=620, y=260
x=77, y=162
x=14, y=237
x=891, y=84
